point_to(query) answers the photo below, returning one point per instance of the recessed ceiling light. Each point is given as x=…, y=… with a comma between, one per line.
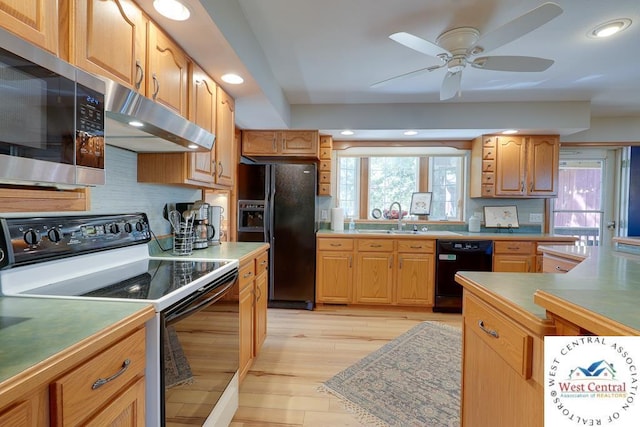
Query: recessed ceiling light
x=233, y=79
x=609, y=28
x=172, y=9
x=410, y=133
x=346, y=132
x=136, y=124
x=509, y=131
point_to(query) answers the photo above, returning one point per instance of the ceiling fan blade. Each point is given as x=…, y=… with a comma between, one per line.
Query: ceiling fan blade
x=512, y=63
x=406, y=75
x=418, y=44
x=519, y=27
x=450, y=85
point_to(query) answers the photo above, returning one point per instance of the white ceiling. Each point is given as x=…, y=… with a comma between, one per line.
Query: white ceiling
x=309, y=64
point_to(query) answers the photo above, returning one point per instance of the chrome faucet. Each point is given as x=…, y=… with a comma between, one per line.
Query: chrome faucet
x=399, y=213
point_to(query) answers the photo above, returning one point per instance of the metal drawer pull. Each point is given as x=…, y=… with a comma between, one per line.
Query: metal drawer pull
x=415, y=247
x=561, y=269
x=102, y=381
x=336, y=244
x=247, y=274
x=491, y=332
x=375, y=246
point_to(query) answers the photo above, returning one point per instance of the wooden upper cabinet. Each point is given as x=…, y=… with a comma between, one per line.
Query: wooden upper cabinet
x=299, y=142
x=510, y=166
x=33, y=20
x=110, y=40
x=515, y=166
x=225, y=146
x=543, y=158
x=202, y=111
x=286, y=143
x=167, y=80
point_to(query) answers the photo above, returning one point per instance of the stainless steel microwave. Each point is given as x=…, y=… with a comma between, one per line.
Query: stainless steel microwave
x=51, y=118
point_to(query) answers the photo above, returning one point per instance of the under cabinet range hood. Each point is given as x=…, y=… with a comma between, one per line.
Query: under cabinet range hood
x=157, y=129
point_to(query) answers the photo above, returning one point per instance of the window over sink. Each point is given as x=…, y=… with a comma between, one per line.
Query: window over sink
x=370, y=181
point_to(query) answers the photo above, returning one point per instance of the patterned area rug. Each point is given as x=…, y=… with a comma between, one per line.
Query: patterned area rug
x=413, y=380
x=176, y=366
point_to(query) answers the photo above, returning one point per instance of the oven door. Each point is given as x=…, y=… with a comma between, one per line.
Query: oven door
x=199, y=352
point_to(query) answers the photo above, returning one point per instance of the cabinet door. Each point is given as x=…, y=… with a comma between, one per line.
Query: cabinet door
x=374, y=282
x=120, y=22
x=259, y=142
x=334, y=277
x=203, y=113
x=260, y=321
x=246, y=308
x=543, y=157
x=416, y=273
x=299, y=142
x=126, y=410
x=225, y=146
x=510, y=166
x=168, y=71
x=514, y=263
x=34, y=20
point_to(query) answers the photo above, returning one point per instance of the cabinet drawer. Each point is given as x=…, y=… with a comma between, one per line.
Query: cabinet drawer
x=335, y=244
x=246, y=274
x=488, y=190
x=488, y=154
x=262, y=263
x=552, y=264
x=78, y=394
x=324, y=177
x=488, y=166
x=325, y=165
x=375, y=245
x=325, y=153
x=487, y=178
x=489, y=143
x=514, y=247
x=324, y=189
x=507, y=339
x=416, y=246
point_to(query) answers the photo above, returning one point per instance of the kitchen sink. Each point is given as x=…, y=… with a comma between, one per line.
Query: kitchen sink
x=417, y=233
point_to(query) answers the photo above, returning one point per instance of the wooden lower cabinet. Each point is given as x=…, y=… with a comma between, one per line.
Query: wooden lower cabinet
x=415, y=272
x=253, y=282
x=105, y=389
x=514, y=256
x=31, y=410
x=502, y=374
x=334, y=271
x=375, y=271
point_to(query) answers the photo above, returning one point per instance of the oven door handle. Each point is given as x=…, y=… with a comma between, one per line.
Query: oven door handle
x=180, y=313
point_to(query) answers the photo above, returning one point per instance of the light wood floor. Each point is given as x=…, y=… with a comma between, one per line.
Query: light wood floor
x=304, y=349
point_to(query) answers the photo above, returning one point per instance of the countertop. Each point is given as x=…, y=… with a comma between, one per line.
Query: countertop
x=606, y=285
x=223, y=251
x=35, y=333
x=446, y=234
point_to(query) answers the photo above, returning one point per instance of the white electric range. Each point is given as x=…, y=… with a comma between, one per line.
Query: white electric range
x=105, y=257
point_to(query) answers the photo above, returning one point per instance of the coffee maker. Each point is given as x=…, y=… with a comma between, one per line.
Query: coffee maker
x=215, y=222
x=201, y=228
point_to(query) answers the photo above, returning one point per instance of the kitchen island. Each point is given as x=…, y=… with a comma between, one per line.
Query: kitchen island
x=507, y=315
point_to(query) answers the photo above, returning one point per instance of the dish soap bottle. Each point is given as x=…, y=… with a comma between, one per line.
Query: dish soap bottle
x=474, y=224
x=352, y=226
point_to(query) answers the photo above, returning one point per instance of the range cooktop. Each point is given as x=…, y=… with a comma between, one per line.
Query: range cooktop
x=147, y=279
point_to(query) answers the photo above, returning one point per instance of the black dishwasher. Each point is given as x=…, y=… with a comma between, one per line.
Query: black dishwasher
x=453, y=256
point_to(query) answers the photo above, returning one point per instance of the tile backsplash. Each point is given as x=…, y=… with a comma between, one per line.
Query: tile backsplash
x=123, y=194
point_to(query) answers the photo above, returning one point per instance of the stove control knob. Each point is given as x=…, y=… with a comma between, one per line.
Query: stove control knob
x=114, y=228
x=31, y=237
x=139, y=226
x=128, y=227
x=54, y=235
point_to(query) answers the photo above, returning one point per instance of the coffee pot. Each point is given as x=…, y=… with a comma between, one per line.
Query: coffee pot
x=215, y=221
x=201, y=228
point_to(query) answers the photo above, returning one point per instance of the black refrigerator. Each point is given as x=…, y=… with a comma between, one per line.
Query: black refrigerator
x=277, y=205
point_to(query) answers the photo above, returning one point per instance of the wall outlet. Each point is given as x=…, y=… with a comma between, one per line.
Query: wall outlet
x=535, y=218
x=324, y=214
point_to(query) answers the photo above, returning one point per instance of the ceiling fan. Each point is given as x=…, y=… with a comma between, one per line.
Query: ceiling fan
x=459, y=47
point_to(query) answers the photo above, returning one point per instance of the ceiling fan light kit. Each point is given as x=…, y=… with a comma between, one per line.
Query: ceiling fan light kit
x=457, y=47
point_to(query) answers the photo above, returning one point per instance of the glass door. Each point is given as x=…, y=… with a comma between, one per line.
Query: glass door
x=587, y=195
